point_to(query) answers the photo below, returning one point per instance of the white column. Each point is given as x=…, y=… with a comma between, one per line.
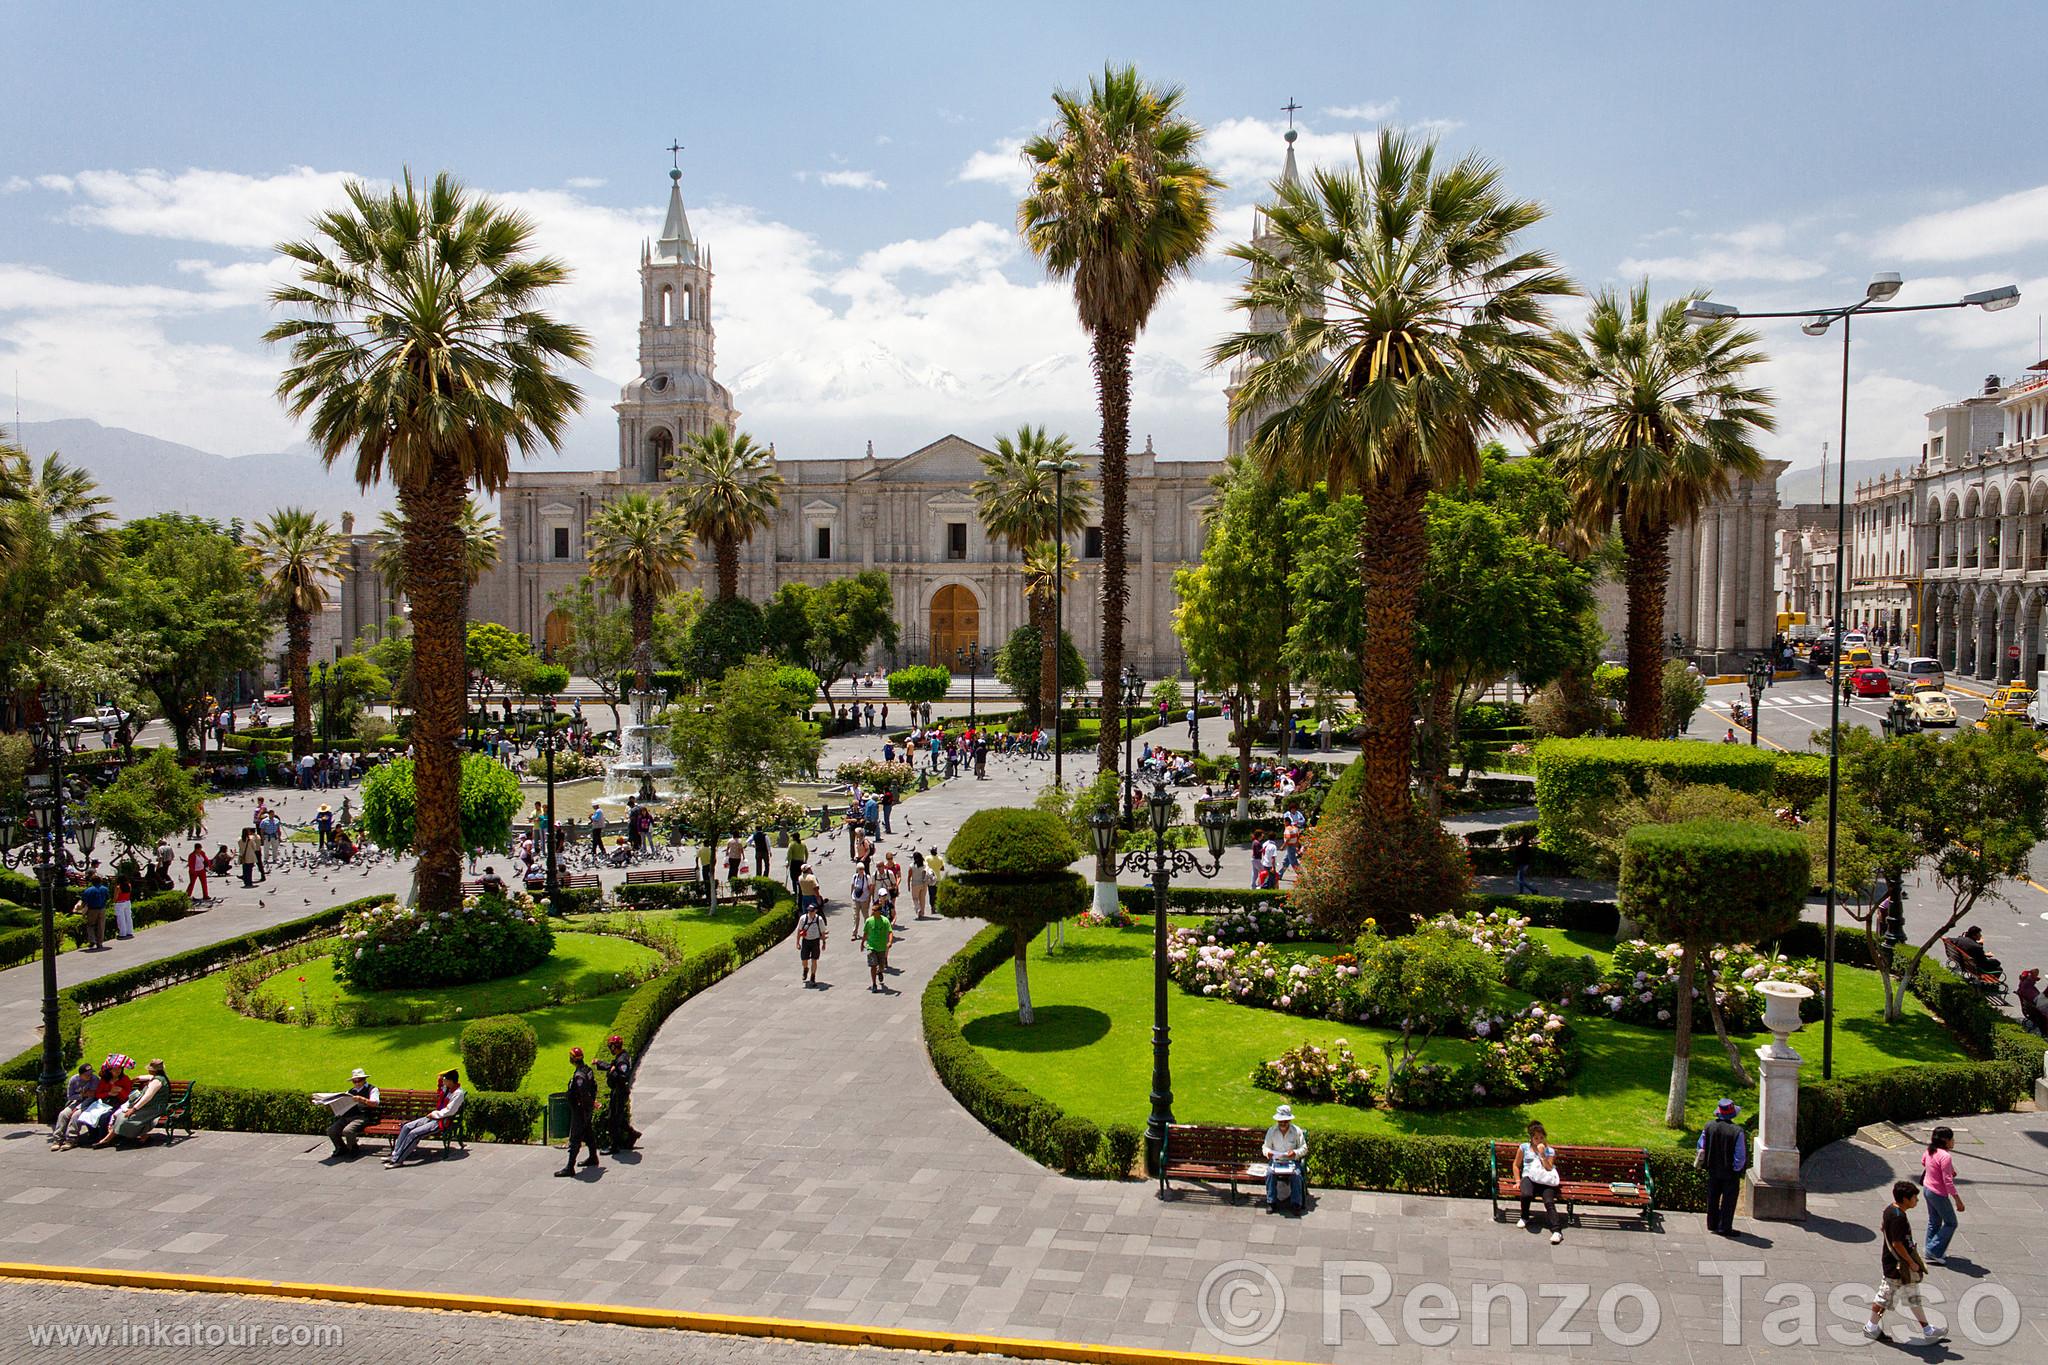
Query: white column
x=1678, y=603
x=1706, y=616
x=1729, y=572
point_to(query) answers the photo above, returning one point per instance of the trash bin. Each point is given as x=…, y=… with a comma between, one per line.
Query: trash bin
x=555, y=1125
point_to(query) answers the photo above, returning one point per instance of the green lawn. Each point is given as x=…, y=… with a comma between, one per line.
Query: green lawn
x=582, y=966
x=199, y=1037
x=1090, y=1051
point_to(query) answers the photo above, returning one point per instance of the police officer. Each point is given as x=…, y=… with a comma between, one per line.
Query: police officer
x=623, y=1136
x=582, y=1100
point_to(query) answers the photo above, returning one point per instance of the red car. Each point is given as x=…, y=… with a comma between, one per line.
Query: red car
x=1870, y=682
x=278, y=696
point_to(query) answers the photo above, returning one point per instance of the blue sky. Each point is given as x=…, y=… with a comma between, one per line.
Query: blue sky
x=850, y=168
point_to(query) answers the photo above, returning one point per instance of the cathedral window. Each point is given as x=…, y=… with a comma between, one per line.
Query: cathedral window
x=668, y=305
x=1091, y=543
x=561, y=539
x=689, y=303
x=823, y=544
x=956, y=540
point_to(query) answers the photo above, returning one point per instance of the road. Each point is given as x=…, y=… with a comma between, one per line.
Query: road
x=1794, y=711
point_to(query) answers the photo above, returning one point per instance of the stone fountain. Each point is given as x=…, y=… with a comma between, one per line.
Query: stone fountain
x=644, y=765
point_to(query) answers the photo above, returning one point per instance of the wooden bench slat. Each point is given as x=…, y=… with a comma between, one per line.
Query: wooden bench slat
x=1587, y=1176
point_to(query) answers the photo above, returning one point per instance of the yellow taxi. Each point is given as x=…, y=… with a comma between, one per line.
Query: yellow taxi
x=2008, y=701
x=1931, y=707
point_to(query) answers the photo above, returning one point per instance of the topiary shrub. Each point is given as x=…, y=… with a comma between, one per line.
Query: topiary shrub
x=384, y=947
x=489, y=794
x=497, y=1052
x=1707, y=882
x=1392, y=876
x=1010, y=868
x=1577, y=778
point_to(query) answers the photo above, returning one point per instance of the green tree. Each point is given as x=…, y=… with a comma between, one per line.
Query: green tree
x=724, y=635
x=733, y=747
x=1017, y=665
x=349, y=683
x=420, y=355
x=1429, y=980
x=149, y=800
x=1704, y=883
x=389, y=648
x=1664, y=421
x=1167, y=693
x=490, y=801
x=1683, y=692
x=480, y=541
x=57, y=540
x=183, y=607
x=498, y=654
x=1009, y=867
x=728, y=489
x=1025, y=506
x=298, y=553
x=599, y=645
x=1414, y=321
x=674, y=618
x=799, y=684
x=831, y=629
x=636, y=545
x=1227, y=620
x=1120, y=204
x=920, y=683
x=1326, y=638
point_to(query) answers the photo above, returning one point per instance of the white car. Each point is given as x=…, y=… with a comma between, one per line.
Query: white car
x=103, y=718
x=1855, y=639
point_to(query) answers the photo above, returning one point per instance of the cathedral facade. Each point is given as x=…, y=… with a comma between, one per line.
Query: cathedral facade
x=912, y=516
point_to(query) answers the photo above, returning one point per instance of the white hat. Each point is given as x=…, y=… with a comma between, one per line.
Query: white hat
x=1284, y=1114
x=359, y=1075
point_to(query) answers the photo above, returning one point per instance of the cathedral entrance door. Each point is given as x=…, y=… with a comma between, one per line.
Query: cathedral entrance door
x=955, y=624
x=556, y=634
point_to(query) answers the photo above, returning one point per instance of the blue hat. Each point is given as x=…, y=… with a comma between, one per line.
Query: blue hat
x=1725, y=1109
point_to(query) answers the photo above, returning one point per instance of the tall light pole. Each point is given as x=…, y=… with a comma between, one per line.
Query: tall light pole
x=1059, y=470
x=550, y=740
x=970, y=658
x=1133, y=693
x=1759, y=678
x=1882, y=288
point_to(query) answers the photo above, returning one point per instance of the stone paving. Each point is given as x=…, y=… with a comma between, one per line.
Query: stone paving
x=803, y=1161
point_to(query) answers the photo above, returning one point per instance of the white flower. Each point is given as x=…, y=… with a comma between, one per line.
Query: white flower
x=1663, y=1016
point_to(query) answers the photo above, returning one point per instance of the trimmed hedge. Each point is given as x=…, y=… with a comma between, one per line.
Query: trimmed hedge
x=1575, y=776
x=1714, y=881
x=487, y=1116
x=660, y=895
x=650, y=1004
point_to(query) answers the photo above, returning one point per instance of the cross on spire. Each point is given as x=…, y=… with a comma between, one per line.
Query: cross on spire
x=675, y=151
x=1289, y=108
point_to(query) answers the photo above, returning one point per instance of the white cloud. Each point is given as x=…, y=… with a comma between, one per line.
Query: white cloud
x=845, y=180
x=585, y=182
x=957, y=251
x=2011, y=222
x=1001, y=165
x=1378, y=112
x=1758, y=251
x=222, y=208
x=1248, y=152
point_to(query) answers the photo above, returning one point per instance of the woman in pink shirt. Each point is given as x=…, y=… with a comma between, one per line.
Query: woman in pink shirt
x=1944, y=1200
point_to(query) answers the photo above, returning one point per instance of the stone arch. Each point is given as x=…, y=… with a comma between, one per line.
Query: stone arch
x=1952, y=533
x=658, y=448
x=555, y=633
x=2028, y=668
x=1962, y=632
x=689, y=303
x=2008, y=636
x=1984, y=653
x=953, y=615
x=667, y=312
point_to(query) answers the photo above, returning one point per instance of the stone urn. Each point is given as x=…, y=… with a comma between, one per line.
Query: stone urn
x=1782, y=1000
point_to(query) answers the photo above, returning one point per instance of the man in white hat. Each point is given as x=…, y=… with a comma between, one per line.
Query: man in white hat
x=1286, y=1149
x=347, y=1128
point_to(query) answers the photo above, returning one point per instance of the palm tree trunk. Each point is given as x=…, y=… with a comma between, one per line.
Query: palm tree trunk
x=1648, y=567
x=728, y=552
x=643, y=638
x=1681, y=1047
x=1391, y=542
x=437, y=584
x=298, y=634
x=1113, y=394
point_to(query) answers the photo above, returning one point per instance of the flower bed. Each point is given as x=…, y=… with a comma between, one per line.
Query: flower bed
x=1313, y=1073
x=388, y=946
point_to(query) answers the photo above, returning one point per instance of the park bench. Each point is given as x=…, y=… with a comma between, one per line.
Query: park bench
x=656, y=876
x=1991, y=983
x=399, y=1107
x=1598, y=1177
x=178, y=1114
x=474, y=886
x=1214, y=1155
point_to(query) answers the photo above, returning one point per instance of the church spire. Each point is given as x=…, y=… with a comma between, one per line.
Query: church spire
x=1289, y=174
x=675, y=242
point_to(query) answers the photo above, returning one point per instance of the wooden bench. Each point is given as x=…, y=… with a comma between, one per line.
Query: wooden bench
x=396, y=1108
x=1598, y=1177
x=1991, y=983
x=657, y=876
x=1215, y=1155
x=475, y=887
x=178, y=1114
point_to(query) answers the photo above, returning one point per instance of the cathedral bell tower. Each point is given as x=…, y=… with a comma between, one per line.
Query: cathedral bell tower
x=675, y=396
x=1262, y=319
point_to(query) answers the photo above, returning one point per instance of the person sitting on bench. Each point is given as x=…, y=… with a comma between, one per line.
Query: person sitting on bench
x=2033, y=1004
x=1971, y=945
x=1286, y=1149
x=449, y=1091
x=491, y=884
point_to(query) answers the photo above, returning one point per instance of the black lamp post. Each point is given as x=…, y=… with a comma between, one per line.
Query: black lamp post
x=1059, y=469
x=1133, y=693
x=970, y=659
x=1162, y=862
x=1881, y=290
x=46, y=796
x=550, y=740
x=1759, y=679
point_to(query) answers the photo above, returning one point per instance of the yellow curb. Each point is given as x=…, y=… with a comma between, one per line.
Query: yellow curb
x=1966, y=691
x=723, y=1324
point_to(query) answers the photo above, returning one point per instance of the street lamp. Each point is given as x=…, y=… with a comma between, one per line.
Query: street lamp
x=46, y=793
x=1882, y=288
x=1059, y=470
x=551, y=740
x=971, y=658
x=1162, y=862
x=1760, y=675
x=1133, y=693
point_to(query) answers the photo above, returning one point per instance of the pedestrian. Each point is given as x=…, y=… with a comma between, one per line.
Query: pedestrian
x=1524, y=856
x=582, y=1096
x=124, y=908
x=807, y=893
x=1944, y=1200
x=810, y=940
x=618, y=1076
x=863, y=888
x=877, y=936
x=798, y=856
x=249, y=850
x=1540, y=1179
x=596, y=829
x=323, y=824
x=195, y=873
x=888, y=807
x=760, y=851
x=735, y=853
x=920, y=884
x=92, y=908
x=1723, y=1154
x=1903, y=1269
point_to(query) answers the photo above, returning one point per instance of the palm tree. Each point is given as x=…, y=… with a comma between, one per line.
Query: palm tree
x=53, y=499
x=1047, y=565
x=1663, y=422
x=728, y=489
x=296, y=553
x=1413, y=323
x=480, y=542
x=636, y=545
x=1020, y=504
x=419, y=352
x=1119, y=203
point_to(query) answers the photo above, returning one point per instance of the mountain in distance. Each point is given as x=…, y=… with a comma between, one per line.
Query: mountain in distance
x=1797, y=486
